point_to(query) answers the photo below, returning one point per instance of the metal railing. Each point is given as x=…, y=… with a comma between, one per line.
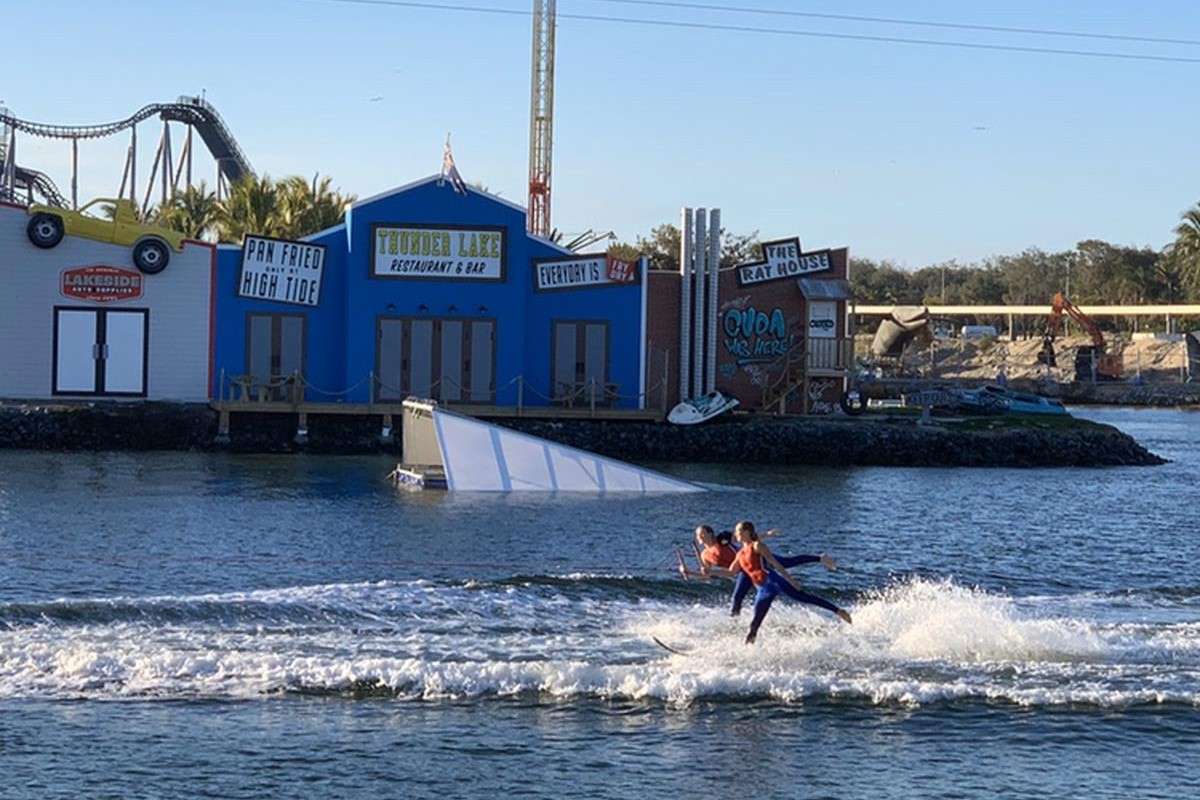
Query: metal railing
x=296, y=389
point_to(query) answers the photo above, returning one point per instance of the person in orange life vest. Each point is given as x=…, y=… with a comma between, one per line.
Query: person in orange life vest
x=717, y=553
x=771, y=578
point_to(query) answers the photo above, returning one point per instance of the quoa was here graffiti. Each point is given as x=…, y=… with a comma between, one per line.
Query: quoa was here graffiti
x=752, y=336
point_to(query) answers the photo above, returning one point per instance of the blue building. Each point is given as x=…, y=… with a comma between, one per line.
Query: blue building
x=430, y=292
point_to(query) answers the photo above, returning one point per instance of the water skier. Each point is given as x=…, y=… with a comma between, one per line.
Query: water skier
x=717, y=552
x=771, y=578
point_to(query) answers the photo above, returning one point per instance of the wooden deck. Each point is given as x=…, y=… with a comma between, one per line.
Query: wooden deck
x=388, y=412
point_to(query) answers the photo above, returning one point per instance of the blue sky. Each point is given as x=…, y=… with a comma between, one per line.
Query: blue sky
x=915, y=153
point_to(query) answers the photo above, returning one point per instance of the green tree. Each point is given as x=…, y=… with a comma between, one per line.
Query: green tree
x=307, y=207
x=1183, y=255
x=252, y=208
x=1032, y=276
x=983, y=285
x=940, y=284
x=623, y=252
x=1110, y=274
x=881, y=283
x=739, y=248
x=291, y=208
x=661, y=247
x=194, y=212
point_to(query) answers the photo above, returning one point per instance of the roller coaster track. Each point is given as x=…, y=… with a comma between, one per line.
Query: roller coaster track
x=32, y=181
x=194, y=111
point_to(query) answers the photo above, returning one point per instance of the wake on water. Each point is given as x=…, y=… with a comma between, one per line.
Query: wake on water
x=589, y=637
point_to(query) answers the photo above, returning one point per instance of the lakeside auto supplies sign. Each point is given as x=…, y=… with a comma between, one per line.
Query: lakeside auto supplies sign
x=782, y=259
x=420, y=251
x=552, y=274
x=100, y=283
x=281, y=271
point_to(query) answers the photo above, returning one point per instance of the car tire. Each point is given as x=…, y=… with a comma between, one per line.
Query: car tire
x=151, y=255
x=852, y=403
x=45, y=230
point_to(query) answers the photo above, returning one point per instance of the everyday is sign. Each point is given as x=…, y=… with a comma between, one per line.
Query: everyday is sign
x=576, y=272
x=100, y=283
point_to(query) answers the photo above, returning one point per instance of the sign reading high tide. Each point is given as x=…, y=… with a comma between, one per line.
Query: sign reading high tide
x=574, y=272
x=282, y=271
x=782, y=259
x=421, y=251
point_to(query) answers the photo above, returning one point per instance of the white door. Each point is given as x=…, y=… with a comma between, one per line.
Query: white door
x=76, y=352
x=822, y=334
x=100, y=352
x=125, y=352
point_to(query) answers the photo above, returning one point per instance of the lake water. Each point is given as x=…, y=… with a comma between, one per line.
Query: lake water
x=196, y=625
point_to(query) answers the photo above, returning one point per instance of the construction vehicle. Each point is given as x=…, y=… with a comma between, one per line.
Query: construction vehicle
x=1092, y=362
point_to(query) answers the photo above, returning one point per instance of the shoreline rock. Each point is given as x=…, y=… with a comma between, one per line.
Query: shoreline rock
x=858, y=442
x=864, y=441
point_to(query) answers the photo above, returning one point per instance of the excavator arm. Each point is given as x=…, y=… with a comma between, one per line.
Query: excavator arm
x=1091, y=362
x=1061, y=304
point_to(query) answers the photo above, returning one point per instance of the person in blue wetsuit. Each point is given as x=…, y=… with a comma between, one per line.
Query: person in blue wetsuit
x=771, y=579
x=717, y=553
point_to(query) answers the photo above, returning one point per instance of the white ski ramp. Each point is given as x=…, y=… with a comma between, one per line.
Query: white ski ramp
x=478, y=456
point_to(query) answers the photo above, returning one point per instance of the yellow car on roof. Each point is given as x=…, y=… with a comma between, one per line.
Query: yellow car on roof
x=112, y=220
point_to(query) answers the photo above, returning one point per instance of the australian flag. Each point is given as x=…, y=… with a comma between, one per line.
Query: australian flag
x=450, y=172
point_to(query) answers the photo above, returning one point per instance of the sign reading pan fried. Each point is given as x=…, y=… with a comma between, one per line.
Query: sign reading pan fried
x=281, y=271
x=782, y=259
x=421, y=251
x=574, y=272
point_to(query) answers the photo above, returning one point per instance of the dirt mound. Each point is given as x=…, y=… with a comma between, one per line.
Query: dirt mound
x=984, y=359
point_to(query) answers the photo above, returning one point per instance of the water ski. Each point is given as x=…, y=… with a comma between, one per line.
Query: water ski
x=690, y=412
x=668, y=647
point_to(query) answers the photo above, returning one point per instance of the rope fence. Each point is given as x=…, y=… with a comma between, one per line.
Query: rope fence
x=296, y=388
x=662, y=564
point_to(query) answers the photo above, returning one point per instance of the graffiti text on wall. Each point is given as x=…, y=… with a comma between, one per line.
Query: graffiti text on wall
x=818, y=397
x=756, y=337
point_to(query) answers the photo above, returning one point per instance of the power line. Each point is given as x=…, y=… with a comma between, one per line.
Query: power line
x=892, y=21
x=786, y=32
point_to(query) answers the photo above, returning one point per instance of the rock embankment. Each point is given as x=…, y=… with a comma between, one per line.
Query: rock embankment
x=1149, y=395
x=883, y=441
x=860, y=442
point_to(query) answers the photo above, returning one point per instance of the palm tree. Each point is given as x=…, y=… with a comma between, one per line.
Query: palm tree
x=194, y=212
x=1184, y=252
x=290, y=208
x=252, y=208
x=309, y=207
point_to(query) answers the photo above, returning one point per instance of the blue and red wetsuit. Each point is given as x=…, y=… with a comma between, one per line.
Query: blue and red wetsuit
x=720, y=554
x=770, y=583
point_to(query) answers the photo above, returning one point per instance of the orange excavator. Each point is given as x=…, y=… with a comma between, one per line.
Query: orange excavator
x=1092, y=362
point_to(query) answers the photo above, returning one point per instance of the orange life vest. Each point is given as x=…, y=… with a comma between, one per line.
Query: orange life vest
x=719, y=555
x=752, y=564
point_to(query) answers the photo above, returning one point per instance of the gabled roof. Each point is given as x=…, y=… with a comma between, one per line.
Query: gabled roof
x=431, y=179
x=414, y=184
